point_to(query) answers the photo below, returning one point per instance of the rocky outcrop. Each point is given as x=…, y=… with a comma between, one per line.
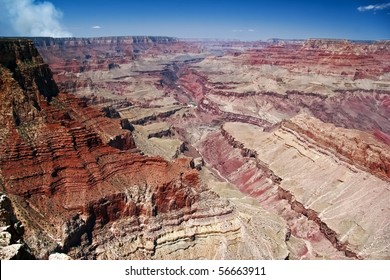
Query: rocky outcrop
x=12, y=245
x=59, y=257
x=211, y=108
x=59, y=163
x=24, y=73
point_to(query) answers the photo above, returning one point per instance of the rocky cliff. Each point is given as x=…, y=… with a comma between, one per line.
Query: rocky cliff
x=83, y=54
x=358, y=148
x=68, y=56
x=338, y=57
x=28, y=78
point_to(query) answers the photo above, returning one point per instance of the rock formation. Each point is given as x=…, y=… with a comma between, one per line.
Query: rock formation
x=158, y=148
x=12, y=246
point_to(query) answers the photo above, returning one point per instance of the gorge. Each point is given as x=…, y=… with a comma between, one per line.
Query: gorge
x=161, y=148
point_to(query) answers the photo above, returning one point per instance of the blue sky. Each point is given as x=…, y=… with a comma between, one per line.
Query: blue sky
x=244, y=20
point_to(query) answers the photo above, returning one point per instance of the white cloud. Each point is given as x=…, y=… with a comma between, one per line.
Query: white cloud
x=375, y=7
x=96, y=27
x=32, y=18
x=242, y=30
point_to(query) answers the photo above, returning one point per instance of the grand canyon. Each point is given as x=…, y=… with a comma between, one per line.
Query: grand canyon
x=163, y=148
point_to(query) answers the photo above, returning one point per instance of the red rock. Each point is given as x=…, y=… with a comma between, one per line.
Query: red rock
x=76, y=55
x=339, y=57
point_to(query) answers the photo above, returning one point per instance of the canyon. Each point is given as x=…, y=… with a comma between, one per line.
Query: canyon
x=161, y=148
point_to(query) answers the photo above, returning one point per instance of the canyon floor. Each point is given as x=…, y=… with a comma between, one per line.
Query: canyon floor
x=160, y=148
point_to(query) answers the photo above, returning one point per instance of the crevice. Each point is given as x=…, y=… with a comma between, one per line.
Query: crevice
x=312, y=215
x=297, y=206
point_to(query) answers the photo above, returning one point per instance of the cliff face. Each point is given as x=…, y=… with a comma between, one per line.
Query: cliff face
x=25, y=82
x=338, y=57
x=357, y=147
x=79, y=55
x=78, y=187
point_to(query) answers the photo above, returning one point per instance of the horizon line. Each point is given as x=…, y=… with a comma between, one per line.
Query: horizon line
x=197, y=39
